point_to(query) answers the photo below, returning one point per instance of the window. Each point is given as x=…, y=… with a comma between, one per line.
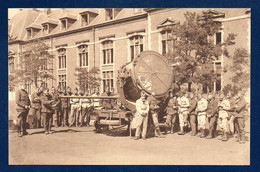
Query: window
x=108, y=57
x=111, y=13
x=167, y=39
x=83, y=56
x=107, y=80
x=11, y=65
x=62, y=58
x=218, y=38
x=62, y=81
x=29, y=33
x=84, y=20
x=63, y=24
x=136, y=46
x=45, y=29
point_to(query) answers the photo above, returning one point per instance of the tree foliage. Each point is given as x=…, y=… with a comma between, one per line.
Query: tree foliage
x=35, y=64
x=193, y=50
x=87, y=79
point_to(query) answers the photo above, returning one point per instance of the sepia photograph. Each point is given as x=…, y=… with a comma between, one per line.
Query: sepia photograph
x=129, y=86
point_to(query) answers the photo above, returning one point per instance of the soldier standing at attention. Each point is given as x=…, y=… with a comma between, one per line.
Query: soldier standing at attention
x=36, y=106
x=192, y=114
x=223, y=108
x=183, y=112
x=239, y=117
x=154, y=108
x=56, y=107
x=75, y=109
x=142, y=109
x=64, y=109
x=22, y=107
x=212, y=115
x=86, y=105
x=201, y=109
x=172, y=112
x=47, y=111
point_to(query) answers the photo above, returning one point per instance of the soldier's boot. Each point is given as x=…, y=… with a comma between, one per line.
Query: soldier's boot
x=210, y=136
x=19, y=134
x=242, y=139
x=181, y=132
x=159, y=133
x=199, y=133
x=202, y=135
x=172, y=129
x=225, y=137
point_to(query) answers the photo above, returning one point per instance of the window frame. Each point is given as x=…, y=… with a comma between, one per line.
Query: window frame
x=109, y=79
x=136, y=37
x=107, y=49
x=62, y=64
x=80, y=52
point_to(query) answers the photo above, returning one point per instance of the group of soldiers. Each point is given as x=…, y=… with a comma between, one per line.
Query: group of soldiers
x=54, y=108
x=194, y=113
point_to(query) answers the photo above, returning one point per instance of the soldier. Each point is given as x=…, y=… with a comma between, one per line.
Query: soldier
x=75, y=109
x=154, y=108
x=192, y=114
x=47, y=110
x=36, y=105
x=201, y=109
x=223, y=108
x=239, y=120
x=142, y=109
x=212, y=115
x=64, y=108
x=22, y=107
x=56, y=107
x=183, y=112
x=86, y=106
x=172, y=112
x=96, y=102
x=106, y=103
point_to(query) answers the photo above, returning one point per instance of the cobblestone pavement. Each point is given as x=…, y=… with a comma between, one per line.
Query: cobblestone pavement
x=81, y=146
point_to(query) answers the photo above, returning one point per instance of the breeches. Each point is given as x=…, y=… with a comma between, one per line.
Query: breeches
x=22, y=117
x=212, y=122
x=193, y=120
x=141, y=124
x=183, y=118
x=64, y=116
x=37, y=112
x=240, y=125
x=202, y=121
x=47, y=121
x=74, y=115
x=223, y=123
x=171, y=119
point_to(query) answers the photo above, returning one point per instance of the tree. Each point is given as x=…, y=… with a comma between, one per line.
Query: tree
x=87, y=80
x=193, y=52
x=35, y=64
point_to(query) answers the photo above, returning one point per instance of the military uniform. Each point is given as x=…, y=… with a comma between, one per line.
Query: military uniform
x=202, y=106
x=240, y=112
x=75, y=110
x=57, y=109
x=212, y=116
x=22, y=102
x=193, y=116
x=223, y=108
x=36, y=108
x=47, y=112
x=141, y=115
x=154, y=108
x=64, y=110
x=86, y=106
x=106, y=103
x=183, y=113
x=172, y=113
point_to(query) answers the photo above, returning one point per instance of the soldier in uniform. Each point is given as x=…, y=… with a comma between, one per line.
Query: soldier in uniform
x=36, y=106
x=172, y=112
x=22, y=107
x=223, y=108
x=154, y=108
x=142, y=109
x=56, y=107
x=183, y=112
x=201, y=109
x=64, y=108
x=192, y=114
x=96, y=102
x=239, y=114
x=106, y=103
x=86, y=106
x=212, y=115
x=75, y=109
x=47, y=110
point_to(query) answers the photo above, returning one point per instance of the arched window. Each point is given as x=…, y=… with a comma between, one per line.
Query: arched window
x=136, y=46
x=62, y=58
x=108, y=54
x=83, y=56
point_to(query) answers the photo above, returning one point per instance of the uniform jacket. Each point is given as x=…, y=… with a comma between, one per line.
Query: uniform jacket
x=184, y=103
x=64, y=101
x=240, y=109
x=36, y=101
x=96, y=102
x=57, y=102
x=193, y=106
x=153, y=104
x=212, y=108
x=224, y=105
x=142, y=108
x=85, y=102
x=46, y=103
x=22, y=99
x=75, y=101
x=202, y=105
x=172, y=106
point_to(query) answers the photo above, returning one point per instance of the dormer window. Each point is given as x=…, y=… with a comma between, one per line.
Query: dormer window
x=87, y=17
x=29, y=33
x=111, y=13
x=45, y=29
x=84, y=20
x=67, y=20
x=63, y=24
x=32, y=30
